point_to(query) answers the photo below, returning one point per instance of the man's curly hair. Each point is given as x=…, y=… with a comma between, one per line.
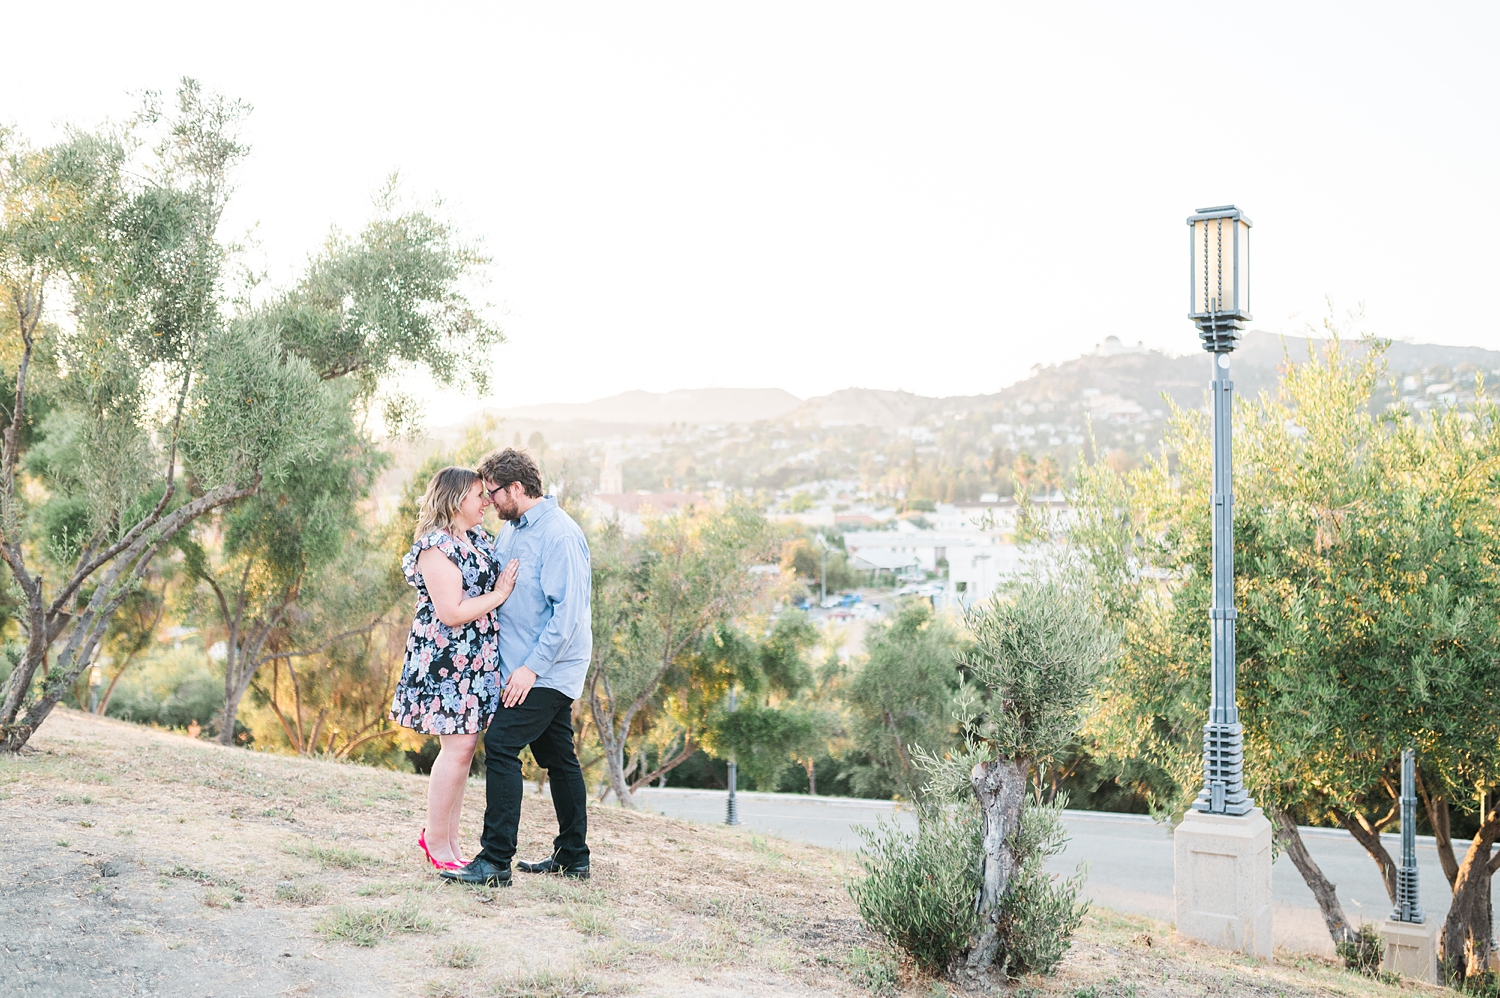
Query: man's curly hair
x=502, y=467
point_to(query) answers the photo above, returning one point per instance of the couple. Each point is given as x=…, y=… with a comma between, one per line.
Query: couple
x=498, y=651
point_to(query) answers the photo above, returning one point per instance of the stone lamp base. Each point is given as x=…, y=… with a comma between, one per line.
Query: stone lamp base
x=1411, y=949
x=1222, y=865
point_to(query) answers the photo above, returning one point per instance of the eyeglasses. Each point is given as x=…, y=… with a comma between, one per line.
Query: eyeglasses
x=498, y=488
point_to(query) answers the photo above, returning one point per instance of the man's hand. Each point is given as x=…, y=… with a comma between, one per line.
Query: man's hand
x=518, y=685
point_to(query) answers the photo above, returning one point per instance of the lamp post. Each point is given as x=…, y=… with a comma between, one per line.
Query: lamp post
x=1219, y=306
x=1222, y=846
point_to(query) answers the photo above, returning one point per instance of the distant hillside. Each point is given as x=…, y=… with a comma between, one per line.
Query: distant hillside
x=1109, y=401
x=1141, y=377
x=875, y=407
x=703, y=405
x=1130, y=376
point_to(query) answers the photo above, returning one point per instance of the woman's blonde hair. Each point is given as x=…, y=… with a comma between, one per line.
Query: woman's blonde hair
x=444, y=495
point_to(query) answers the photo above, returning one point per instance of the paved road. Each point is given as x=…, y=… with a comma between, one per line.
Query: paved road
x=1129, y=856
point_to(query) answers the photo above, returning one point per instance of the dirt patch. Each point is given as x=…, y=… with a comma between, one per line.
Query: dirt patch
x=137, y=862
x=141, y=862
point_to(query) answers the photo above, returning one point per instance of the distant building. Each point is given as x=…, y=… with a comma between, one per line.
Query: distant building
x=895, y=561
x=1112, y=347
x=974, y=572
x=922, y=548
x=633, y=509
x=611, y=475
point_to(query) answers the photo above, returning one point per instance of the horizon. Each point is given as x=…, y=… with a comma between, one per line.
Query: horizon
x=519, y=410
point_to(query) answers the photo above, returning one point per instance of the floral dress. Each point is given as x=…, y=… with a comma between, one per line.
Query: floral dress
x=450, y=683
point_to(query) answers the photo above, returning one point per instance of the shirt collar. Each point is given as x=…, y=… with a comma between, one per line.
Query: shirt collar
x=536, y=512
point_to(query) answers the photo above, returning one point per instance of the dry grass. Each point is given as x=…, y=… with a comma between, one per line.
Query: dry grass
x=310, y=870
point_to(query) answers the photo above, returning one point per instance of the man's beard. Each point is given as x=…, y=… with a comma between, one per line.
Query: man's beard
x=509, y=511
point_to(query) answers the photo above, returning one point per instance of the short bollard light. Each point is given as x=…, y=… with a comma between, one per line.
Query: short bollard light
x=1408, y=903
x=1410, y=944
x=732, y=807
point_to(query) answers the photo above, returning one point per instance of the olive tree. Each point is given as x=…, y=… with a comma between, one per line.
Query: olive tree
x=152, y=399
x=969, y=894
x=1035, y=657
x=655, y=598
x=1366, y=560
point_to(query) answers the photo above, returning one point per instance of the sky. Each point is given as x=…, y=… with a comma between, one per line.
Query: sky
x=932, y=197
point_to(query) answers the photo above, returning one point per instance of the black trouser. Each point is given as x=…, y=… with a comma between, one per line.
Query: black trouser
x=545, y=722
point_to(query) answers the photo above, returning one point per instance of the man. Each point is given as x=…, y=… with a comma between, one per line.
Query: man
x=546, y=637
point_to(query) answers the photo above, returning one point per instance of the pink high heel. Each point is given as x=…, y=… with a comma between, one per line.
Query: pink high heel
x=422, y=841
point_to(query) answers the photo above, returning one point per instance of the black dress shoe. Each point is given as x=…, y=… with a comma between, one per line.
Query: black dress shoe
x=551, y=865
x=480, y=872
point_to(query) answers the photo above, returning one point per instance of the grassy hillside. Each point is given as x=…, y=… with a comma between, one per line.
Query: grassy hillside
x=136, y=861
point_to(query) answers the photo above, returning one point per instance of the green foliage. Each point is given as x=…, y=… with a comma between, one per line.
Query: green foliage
x=1364, y=952
x=776, y=721
x=161, y=378
x=1037, y=652
x=900, y=699
x=1040, y=911
x=657, y=600
x=1365, y=549
x=918, y=889
x=254, y=409
x=388, y=299
x=171, y=688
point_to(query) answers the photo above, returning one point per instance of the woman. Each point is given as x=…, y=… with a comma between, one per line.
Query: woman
x=450, y=684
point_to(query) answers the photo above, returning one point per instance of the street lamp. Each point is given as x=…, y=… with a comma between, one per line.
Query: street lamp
x=1219, y=304
x=1222, y=847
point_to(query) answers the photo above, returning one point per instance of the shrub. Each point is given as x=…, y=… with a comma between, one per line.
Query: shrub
x=1041, y=911
x=1363, y=952
x=918, y=890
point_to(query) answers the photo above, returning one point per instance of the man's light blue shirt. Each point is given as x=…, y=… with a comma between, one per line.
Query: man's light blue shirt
x=546, y=624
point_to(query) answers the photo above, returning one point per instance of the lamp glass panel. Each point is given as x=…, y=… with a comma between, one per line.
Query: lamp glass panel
x=1242, y=268
x=1213, y=257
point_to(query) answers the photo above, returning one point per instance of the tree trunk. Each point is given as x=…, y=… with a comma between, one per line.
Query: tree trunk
x=88, y=625
x=689, y=748
x=900, y=746
x=109, y=690
x=614, y=748
x=1464, y=946
x=1001, y=789
x=1369, y=837
x=812, y=780
x=231, y=709
x=1438, y=815
x=1323, y=890
x=614, y=759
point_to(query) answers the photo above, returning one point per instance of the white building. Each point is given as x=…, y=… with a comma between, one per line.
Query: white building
x=974, y=571
x=633, y=509
x=924, y=548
